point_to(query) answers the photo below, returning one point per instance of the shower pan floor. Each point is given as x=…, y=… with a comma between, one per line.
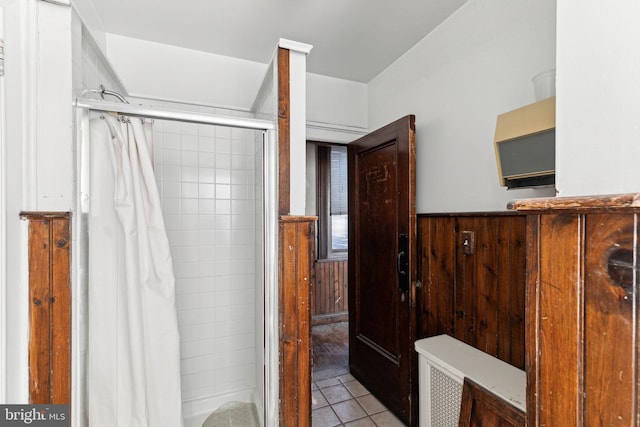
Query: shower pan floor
x=233, y=414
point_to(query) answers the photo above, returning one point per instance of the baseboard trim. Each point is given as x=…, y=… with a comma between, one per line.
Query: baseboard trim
x=325, y=319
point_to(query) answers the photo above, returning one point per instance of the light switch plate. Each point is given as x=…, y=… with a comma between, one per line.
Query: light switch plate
x=468, y=242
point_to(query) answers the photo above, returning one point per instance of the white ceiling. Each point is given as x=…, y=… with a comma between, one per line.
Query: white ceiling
x=351, y=39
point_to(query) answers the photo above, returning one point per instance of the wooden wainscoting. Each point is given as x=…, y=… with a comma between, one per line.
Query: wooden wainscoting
x=480, y=407
x=49, y=307
x=472, y=267
x=583, y=259
x=330, y=292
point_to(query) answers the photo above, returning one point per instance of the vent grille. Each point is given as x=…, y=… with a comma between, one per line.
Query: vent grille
x=446, y=394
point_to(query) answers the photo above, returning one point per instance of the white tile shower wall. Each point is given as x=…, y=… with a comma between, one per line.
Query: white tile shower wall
x=207, y=179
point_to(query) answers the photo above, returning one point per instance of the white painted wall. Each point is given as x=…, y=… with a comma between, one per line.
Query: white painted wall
x=51, y=161
x=476, y=65
x=159, y=71
x=336, y=101
x=598, y=103
x=38, y=150
x=3, y=222
x=336, y=109
x=19, y=19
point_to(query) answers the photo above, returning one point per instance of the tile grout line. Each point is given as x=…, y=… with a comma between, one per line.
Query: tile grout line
x=343, y=383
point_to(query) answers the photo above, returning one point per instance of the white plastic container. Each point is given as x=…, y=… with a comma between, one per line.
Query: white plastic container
x=544, y=84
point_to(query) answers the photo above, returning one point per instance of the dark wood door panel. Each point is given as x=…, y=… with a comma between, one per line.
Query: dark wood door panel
x=381, y=220
x=376, y=321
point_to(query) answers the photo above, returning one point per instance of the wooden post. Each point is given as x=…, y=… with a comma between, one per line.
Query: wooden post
x=296, y=254
x=49, y=307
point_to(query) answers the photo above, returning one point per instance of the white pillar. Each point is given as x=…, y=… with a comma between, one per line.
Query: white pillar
x=598, y=97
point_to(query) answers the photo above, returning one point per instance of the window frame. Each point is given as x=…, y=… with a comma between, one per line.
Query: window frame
x=323, y=198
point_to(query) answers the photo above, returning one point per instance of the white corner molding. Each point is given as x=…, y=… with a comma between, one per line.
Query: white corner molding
x=295, y=46
x=58, y=2
x=332, y=135
x=355, y=131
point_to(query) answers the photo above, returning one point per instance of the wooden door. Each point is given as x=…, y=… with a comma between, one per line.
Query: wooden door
x=382, y=265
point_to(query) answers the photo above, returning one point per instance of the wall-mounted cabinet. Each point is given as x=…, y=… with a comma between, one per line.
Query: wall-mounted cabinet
x=525, y=145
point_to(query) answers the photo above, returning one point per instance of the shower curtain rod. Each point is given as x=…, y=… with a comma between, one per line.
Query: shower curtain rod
x=102, y=91
x=176, y=115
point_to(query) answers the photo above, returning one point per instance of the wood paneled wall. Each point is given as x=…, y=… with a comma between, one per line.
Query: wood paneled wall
x=296, y=254
x=474, y=291
x=583, y=259
x=330, y=292
x=49, y=307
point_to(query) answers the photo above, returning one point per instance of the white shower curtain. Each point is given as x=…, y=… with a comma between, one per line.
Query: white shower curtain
x=133, y=360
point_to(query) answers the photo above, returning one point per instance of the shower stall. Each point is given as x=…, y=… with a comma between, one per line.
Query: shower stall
x=216, y=177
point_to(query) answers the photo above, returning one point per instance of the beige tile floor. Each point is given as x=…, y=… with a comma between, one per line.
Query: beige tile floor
x=343, y=401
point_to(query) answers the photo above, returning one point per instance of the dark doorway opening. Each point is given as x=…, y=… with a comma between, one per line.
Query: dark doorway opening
x=330, y=350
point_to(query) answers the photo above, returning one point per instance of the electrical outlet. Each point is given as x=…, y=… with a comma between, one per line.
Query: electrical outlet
x=468, y=242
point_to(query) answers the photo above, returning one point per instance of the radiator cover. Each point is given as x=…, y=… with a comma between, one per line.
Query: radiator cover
x=444, y=362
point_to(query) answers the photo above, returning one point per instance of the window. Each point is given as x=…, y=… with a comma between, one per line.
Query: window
x=332, y=201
